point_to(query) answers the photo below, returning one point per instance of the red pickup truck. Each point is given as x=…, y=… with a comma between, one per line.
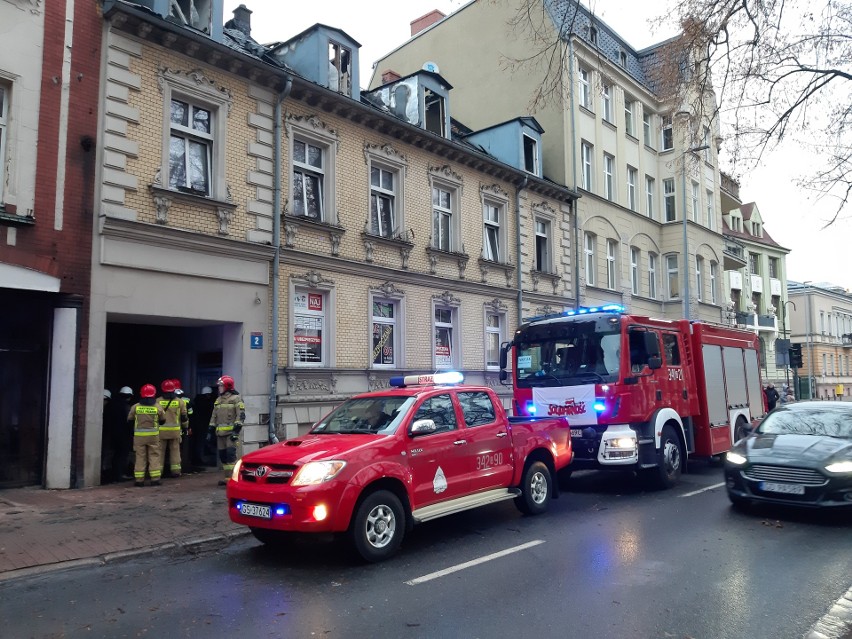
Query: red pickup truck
x=386, y=460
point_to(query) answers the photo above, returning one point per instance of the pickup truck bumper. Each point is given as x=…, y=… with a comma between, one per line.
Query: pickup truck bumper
x=310, y=509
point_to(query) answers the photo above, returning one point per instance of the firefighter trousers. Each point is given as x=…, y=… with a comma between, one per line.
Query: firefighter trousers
x=148, y=460
x=227, y=453
x=170, y=444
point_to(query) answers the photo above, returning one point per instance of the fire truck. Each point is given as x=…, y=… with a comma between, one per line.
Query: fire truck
x=639, y=393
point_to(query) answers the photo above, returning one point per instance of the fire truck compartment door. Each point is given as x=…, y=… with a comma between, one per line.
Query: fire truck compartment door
x=717, y=406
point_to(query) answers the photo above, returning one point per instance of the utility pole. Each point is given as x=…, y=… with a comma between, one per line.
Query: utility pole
x=685, y=276
x=809, y=339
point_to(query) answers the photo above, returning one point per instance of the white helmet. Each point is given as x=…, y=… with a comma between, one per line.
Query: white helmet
x=125, y=390
x=107, y=394
x=206, y=390
x=178, y=392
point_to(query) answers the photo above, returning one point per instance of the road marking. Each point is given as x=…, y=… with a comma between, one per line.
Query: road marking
x=836, y=622
x=703, y=490
x=473, y=562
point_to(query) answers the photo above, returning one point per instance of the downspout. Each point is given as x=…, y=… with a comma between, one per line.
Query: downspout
x=276, y=260
x=573, y=206
x=522, y=186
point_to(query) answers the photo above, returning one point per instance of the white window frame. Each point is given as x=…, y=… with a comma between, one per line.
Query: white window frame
x=492, y=206
x=635, y=256
x=528, y=139
x=387, y=159
x=699, y=278
x=632, y=174
x=696, y=202
x=589, y=240
x=587, y=153
x=585, y=88
x=339, y=78
x=666, y=133
x=609, y=177
x=324, y=318
x=669, y=197
x=491, y=332
x=5, y=98
x=650, y=189
x=611, y=264
x=543, y=236
x=176, y=85
x=705, y=141
x=673, y=277
x=397, y=323
x=648, y=129
x=652, y=275
x=454, y=335
x=710, y=216
x=454, y=188
x=629, y=127
x=314, y=132
x=713, y=270
x=606, y=102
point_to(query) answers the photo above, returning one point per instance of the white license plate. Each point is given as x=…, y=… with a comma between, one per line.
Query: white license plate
x=576, y=432
x=256, y=510
x=787, y=489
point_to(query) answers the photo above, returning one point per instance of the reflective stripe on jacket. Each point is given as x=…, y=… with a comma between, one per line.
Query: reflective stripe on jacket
x=175, y=410
x=228, y=411
x=146, y=420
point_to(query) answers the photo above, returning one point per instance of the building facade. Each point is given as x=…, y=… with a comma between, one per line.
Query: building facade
x=649, y=224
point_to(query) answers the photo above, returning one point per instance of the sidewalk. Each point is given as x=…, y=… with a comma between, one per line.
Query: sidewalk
x=43, y=530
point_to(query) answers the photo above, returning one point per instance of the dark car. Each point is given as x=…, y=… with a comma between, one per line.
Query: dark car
x=800, y=454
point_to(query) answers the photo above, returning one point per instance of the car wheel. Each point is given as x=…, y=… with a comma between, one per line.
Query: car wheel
x=669, y=460
x=740, y=429
x=378, y=526
x=269, y=537
x=740, y=503
x=535, y=490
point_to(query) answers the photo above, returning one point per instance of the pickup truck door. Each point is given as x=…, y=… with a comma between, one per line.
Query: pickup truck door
x=438, y=461
x=489, y=447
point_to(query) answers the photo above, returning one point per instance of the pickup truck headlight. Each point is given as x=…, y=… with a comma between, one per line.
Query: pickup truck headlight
x=235, y=474
x=735, y=458
x=840, y=467
x=317, y=472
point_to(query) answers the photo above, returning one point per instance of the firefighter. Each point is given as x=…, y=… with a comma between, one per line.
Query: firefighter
x=229, y=413
x=186, y=430
x=176, y=421
x=146, y=416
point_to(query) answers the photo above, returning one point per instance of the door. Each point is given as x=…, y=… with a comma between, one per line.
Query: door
x=673, y=383
x=489, y=443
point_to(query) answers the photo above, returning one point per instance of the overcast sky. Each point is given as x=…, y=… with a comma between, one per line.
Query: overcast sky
x=790, y=217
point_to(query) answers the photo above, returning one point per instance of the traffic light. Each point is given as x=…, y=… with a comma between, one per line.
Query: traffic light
x=795, y=355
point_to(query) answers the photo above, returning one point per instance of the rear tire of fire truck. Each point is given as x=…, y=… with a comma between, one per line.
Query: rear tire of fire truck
x=669, y=461
x=740, y=429
x=535, y=490
x=378, y=526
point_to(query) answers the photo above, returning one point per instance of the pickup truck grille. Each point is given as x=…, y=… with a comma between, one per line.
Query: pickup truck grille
x=267, y=473
x=804, y=476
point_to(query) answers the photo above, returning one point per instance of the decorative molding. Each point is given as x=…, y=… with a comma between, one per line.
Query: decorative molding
x=369, y=248
x=536, y=276
x=544, y=207
x=334, y=237
x=33, y=5
x=460, y=257
x=485, y=266
x=493, y=190
x=445, y=171
x=290, y=230
x=547, y=309
x=311, y=122
x=297, y=385
x=195, y=79
x=387, y=289
x=225, y=217
x=496, y=305
x=165, y=198
x=447, y=298
x=311, y=278
x=405, y=255
x=385, y=150
x=162, y=203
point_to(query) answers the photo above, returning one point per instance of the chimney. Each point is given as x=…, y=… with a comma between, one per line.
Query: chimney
x=389, y=76
x=242, y=19
x=426, y=21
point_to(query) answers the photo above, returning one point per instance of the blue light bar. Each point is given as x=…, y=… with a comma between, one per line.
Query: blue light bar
x=530, y=407
x=582, y=310
x=599, y=406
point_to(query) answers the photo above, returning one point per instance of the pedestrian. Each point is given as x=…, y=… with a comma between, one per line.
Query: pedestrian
x=771, y=396
x=146, y=416
x=185, y=456
x=118, y=437
x=202, y=410
x=170, y=431
x=226, y=422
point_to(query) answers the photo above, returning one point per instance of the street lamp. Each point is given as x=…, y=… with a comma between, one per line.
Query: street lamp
x=686, y=310
x=784, y=336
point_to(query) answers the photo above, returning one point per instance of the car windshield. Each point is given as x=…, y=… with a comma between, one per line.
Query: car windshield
x=828, y=421
x=379, y=414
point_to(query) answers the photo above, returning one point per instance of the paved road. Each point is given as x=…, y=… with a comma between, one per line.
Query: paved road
x=607, y=561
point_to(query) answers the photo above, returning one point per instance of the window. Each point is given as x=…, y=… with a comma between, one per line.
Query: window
x=671, y=350
x=609, y=177
x=622, y=58
x=756, y=230
x=593, y=35
x=442, y=219
x=650, y=187
x=705, y=141
x=586, y=151
x=652, y=275
x=440, y=410
x=193, y=13
x=190, y=147
x=699, y=280
x=667, y=133
x=709, y=205
x=773, y=267
x=385, y=333
x=628, y=116
x=310, y=342
x=339, y=68
x=695, y=202
x=631, y=188
x=634, y=270
x=446, y=348
x=492, y=243
x=611, y=251
x=589, y=252
x=382, y=200
x=493, y=337
x=669, y=195
x=542, y=246
x=672, y=280
x=435, y=112
x=606, y=102
x=648, y=129
x=754, y=263
x=585, y=89
x=714, y=267
x=477, y=408
x=4, y=134
x=530, y=155
x=308, y=180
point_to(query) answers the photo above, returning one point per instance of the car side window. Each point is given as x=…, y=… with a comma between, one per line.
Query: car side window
x=440, y=410
x=671, y=350
x=477, y=408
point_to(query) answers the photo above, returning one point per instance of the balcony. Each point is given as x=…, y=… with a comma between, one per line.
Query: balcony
x=746, y=319
x=733, y=254
x=846, y=340
x=766, y=321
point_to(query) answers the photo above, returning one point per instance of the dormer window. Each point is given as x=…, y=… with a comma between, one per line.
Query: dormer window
x=622, y=58
x=435, y=111
x=339, y=68
x=530, y=155
x=192, y=13
x=755, y=229
x=593, y=35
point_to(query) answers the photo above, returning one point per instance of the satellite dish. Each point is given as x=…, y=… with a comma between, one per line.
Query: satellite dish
x=431, y=67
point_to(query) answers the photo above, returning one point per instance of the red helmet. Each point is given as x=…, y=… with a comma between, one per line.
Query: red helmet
x=147, y=390
x=227, y=381
x=168, y=386
x=176, y=382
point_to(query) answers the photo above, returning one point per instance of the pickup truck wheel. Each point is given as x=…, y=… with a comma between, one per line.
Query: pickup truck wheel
x=535, y=490
x=378, y=526
x=670, y=460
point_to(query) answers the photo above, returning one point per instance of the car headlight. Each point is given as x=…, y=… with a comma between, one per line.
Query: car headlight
x=235, y=474
x=735, y=458
x=317, y=472
x=840, y=467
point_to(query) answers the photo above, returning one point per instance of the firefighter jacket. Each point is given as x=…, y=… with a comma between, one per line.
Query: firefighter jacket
x=176, y=418
x=146, y=417
x=228, y=412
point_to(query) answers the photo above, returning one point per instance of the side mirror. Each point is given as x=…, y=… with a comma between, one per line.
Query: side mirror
x=423, y=427
x=652, y=346
x=655, y=362
x=504, y=354
x=504, y=375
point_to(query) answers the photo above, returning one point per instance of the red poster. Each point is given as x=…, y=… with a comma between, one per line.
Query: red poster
x=314, y=302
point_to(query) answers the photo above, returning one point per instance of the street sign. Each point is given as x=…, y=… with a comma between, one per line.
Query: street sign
x=257, y=340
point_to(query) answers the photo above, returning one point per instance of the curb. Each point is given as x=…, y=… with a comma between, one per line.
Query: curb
x=195, y=546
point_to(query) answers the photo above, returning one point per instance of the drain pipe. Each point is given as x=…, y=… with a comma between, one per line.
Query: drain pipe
x=276, y=260
x=573, y=205
x=518, y=189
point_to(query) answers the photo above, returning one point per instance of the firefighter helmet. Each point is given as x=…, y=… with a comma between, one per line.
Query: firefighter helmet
x=107, y=394
x=147, y=390
x=206, y=390
x=176, y=382
x=125, y=390
x=227, y=382
x=168, y=386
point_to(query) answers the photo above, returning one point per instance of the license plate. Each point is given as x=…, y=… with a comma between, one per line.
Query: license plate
x=787, y=489
x=256, y=510
x=576, y=432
